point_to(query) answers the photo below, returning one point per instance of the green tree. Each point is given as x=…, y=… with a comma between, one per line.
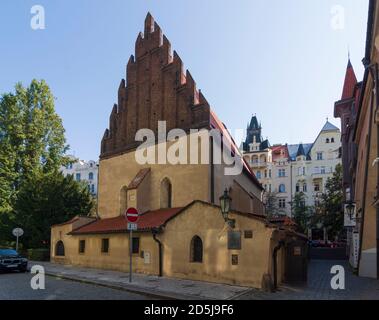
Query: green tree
x=33, y=194
x=330, y=207
x=46, y=200
x=272, y=207
x=302, y=213
x=32, y=138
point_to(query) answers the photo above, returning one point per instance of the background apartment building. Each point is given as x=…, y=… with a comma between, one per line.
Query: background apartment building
x=85, y=171
x=284, y=170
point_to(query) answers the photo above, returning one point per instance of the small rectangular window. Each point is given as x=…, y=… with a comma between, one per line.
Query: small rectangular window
x=135, y=245
x=82, y=246
x=248, y=234
x=104, y=245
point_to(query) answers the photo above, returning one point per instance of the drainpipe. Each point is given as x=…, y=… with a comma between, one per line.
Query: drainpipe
x=274, y=258
x=155, y=231
x=377, y=171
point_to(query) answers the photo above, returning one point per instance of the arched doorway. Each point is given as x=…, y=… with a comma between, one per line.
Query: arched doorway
x=196, y=253
x=59, y=249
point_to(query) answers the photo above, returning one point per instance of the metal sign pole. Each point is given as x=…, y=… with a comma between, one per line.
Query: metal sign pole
x=130, y=255
x=17, y=243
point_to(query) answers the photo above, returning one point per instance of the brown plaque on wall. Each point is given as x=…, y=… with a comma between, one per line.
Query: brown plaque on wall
x=248, y=234
x=234, y=259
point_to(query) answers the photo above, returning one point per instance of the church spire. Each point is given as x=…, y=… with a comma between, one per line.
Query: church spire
x=350, y=81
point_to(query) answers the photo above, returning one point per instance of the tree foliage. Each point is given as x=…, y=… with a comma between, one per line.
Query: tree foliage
x=330, y=207
x=302, y=213
x=46, y=200
x=272, y=207
x=32, y=150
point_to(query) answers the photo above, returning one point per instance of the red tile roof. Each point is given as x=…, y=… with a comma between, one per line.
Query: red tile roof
x=146, y=221
x=279, y=152
x=67, y=222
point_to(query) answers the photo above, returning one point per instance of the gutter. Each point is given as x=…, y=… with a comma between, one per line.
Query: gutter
x=274, y=258
x=155, y=231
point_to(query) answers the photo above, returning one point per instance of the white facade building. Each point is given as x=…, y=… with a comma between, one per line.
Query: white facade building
x=285, y=170
x=85, y=171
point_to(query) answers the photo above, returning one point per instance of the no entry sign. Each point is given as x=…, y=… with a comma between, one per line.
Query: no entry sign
x=132, y=215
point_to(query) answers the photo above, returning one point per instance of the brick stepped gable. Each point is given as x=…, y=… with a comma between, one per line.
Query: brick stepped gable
x=156, y=89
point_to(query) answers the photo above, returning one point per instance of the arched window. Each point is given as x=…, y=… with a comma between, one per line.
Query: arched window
x=327, y=140
x=332, y=140
x=123, y=199
x=282, y=188
x=258, y=175
x=196, y=254
x=59, y=249
x=90, y=176
x=166, y=193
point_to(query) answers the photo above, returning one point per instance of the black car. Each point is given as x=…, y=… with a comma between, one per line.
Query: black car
x=10, y=260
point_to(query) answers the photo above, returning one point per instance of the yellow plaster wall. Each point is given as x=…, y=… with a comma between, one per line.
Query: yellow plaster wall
x=206, y=222
x=116, y=259
x=189, y=182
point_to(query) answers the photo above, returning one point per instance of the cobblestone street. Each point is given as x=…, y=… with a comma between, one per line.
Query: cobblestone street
x=319, y=287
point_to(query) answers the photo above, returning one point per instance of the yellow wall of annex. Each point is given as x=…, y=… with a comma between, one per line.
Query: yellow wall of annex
x=206, y=222
x=116, y=259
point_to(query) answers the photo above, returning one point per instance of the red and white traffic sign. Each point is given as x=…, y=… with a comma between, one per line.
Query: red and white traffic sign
x=132, y=215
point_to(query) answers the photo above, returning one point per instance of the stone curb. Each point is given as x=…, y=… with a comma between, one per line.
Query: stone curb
x=163, y=295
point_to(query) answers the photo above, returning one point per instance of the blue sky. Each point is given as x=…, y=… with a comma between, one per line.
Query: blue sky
x=282, y=61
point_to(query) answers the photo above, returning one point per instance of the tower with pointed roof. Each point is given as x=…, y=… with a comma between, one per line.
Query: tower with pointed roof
x=346, y=109
x=254, y=140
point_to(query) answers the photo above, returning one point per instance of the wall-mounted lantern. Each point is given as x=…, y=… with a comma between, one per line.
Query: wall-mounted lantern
x=225, y=201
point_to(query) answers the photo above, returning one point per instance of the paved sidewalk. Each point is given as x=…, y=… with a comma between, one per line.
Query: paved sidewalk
x=156, y=287
x=319, y=287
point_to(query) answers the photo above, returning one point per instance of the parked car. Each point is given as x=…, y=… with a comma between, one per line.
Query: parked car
x=11, y=260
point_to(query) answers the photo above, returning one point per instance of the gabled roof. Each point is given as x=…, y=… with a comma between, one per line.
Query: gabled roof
x=329, y=127
x=147, y=221
x=293, y=149
x=300, y=151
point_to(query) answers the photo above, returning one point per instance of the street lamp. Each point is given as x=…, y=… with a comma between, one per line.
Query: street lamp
x=350, y=210
x=225, y=201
